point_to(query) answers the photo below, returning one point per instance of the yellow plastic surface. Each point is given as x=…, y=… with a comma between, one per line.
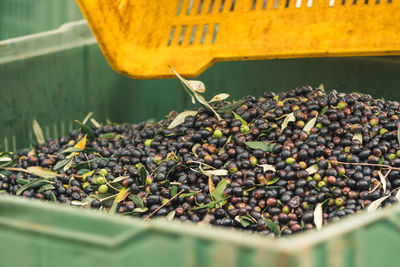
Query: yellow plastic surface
x=142, y=38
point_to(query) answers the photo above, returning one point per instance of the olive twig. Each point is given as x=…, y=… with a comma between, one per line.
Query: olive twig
x=365, y=164
x=165, y=203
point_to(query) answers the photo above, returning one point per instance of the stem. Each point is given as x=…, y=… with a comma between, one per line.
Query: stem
x=366, y=164
x=169, y=200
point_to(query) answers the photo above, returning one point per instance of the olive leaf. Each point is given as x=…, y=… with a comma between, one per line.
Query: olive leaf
x=381, y=160
x=310, y=124
x=180, y=118
x=398, y=135
x=82, y=143
x=52, y=196
x=45, y=187
x=383, y=179
x=318, y=216
x=10, y=163
x=197, y=86
x=358, y=136
x=397, y=195
x=199, y=98
x=194, y=148
x=170, y=216
x=86, y=130
x=138, y=201
x=86, y=174
x=222, y=149
x=270, y=182
x=322, y=87
x=33, y=184
x=95, y=123
x=79, y=203
x=22, y=181
x=312, y=169
x=107, y=136
x=219, y=172
x=120, y=197
x=375, y=204
x=209, y=205
x=142, y=172
x=242, y=221
x=324, y=110
x=119, y=179
x=230, y=107
x=239, y=118
x=267, y=167
x=245, y=220
x=37, y=130
x=260, y=145
x=289, y=118
x=272, y=226
x=42, y=172
x=219, y=97
x=90, y=114
x=174, y=190
x=218, y=192
x=68, y=165
x=59, y=165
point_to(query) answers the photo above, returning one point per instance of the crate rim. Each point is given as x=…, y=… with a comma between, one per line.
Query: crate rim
x=285, y=245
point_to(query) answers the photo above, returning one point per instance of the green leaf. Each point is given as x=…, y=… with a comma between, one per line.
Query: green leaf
x=218, y=193
x=239, y=118
x=230, y=107
x=270, y=182
x=83, y=171
x=22, y=181
x=59, y=165
x=120, y=197
x=138, y=201
x=174, y=190
x=324, y=110
x=33, y=184
x=272, y=226
x=142, y=172
x=381, y=160
x=266, y=132
x=86, y=130
x=209, y=205
x=187, y=195
x=243, y=221
x=11, y=163
x=42, y=172
x=107, y=136
x=260, y=145
x=37, y=130
x=45, y=188
x=52, y=196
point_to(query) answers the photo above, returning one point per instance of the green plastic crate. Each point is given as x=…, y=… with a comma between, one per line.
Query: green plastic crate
x=61, y=75
x=22, y=17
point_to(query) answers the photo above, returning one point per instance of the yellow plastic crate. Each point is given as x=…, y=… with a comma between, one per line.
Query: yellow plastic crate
x=142, y=38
